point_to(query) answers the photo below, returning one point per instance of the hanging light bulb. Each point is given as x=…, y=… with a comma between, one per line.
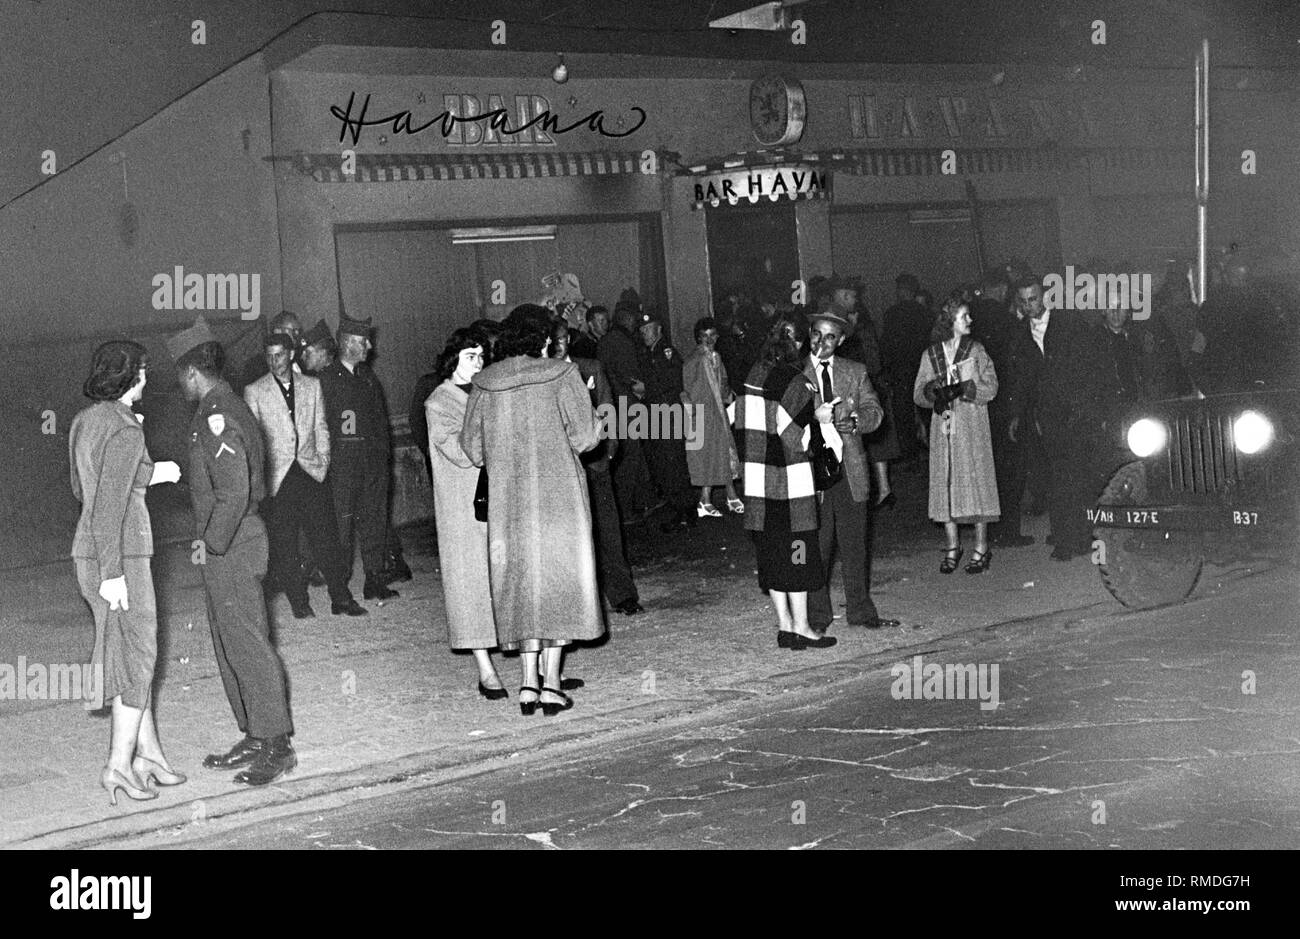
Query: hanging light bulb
x=561, y=71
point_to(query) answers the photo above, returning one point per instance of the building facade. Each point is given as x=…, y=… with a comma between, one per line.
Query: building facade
x=332, y=167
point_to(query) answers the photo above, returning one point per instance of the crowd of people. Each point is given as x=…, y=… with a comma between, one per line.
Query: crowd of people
x=795, y=415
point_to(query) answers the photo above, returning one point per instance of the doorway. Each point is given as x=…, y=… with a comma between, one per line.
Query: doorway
x=752, y=248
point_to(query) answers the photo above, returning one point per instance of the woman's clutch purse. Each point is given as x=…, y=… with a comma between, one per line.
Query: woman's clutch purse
x=944, y=395
x=481, y=496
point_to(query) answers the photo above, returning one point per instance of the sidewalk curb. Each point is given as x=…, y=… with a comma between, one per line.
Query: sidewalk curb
x=245, y=807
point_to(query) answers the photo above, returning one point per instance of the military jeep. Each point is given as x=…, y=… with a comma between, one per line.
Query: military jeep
x=1213, y=474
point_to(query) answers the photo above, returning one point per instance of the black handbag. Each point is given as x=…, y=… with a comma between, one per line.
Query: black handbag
x=481, y=496
x=945, y=395
x=826, y=466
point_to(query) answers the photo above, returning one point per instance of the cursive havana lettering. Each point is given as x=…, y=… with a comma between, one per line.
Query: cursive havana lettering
x=498, y=120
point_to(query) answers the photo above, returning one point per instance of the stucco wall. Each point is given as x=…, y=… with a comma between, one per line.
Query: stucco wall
x=74, y=276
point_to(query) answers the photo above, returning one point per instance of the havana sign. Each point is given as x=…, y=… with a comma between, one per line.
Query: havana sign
x=756, y=182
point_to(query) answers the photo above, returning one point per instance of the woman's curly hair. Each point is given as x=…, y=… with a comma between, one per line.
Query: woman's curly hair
x=523, y=335
x=943, y=321
x=114, y=368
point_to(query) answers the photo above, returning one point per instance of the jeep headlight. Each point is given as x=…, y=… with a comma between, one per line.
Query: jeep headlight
x=1146, y=437
x=1252, y=432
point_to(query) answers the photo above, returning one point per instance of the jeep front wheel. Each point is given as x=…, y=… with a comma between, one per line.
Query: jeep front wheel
x=1144, y=568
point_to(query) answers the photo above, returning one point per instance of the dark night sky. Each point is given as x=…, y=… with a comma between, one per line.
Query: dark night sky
x=78, y=74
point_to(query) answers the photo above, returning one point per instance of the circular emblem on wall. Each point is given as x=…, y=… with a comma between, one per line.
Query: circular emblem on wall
x=777, y=110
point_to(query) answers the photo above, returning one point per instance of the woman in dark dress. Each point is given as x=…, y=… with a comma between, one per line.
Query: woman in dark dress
x=111, y=470
x=773, y=421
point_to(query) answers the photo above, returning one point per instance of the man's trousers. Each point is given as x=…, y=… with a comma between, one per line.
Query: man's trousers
x=251, y=670
x=1009, y=459
x=615, y=574
x=359, y=477
x=303, y=504
x=843, y=527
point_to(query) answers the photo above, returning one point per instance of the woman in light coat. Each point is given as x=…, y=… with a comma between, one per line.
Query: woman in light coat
x=956, y=379
x=462, y=539
x=714, y=462
x=528, y=418
x=112, y=549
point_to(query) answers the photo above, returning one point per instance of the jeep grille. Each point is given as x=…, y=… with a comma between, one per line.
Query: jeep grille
x=1202, y=457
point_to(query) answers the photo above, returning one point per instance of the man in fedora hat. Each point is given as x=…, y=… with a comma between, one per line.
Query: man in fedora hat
x=359, y=454
x=226, y=487
x=842, y=296
x=843, y=510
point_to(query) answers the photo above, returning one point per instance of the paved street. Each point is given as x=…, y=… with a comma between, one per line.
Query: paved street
x=382, y=696
x=1123, y=730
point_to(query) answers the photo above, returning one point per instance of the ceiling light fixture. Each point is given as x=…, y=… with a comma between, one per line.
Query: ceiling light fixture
x=770, y=17
x=476, y=236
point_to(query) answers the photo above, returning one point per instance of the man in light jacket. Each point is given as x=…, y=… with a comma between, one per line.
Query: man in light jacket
x=843, y=510
x=290, y=409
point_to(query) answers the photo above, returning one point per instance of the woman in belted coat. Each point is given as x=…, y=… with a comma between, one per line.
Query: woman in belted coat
x=528, y=418
x=956, y=378
x=112, y=549
x=462, y=539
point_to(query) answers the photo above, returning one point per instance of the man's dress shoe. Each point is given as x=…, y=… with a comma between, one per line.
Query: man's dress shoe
x=241, y=754
x=275, y=759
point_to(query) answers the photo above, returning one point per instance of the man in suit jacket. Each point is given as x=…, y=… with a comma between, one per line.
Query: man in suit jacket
x=290, y=409
x=843, y=511
x=618, y=352
x=615, y=574
x=361, y=454
x=1056, y=402
x=1019, y=363
x=903, y=340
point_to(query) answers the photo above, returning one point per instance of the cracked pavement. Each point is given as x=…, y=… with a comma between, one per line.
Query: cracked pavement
x=1130, y=730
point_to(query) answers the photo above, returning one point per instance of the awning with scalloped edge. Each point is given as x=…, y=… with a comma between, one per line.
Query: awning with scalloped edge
x=418, y=167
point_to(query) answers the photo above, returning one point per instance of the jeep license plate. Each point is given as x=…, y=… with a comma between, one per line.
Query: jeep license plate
x=1193, y=517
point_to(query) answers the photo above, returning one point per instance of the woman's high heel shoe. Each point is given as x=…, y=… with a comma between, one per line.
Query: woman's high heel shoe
x=528, y=708
x=979, y=562
x=146, y=769
x=951, y=557
x=704, y=509
x=549, y=709
x=492, y=694
x=112, y=781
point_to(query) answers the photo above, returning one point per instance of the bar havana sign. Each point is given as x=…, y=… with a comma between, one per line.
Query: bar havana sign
x=752, y=183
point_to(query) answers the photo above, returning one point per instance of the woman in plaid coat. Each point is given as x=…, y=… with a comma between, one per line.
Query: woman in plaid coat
x=773, y=421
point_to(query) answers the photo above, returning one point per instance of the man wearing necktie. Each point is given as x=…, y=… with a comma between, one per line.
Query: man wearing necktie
x=843, y=510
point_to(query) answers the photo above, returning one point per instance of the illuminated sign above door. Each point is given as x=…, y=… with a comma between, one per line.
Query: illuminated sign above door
x=791, y=181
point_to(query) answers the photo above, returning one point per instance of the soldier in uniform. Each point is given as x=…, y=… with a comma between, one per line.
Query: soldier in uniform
x=359, y=455
x=226, y=486
x=661, y=370
x=318, y=349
